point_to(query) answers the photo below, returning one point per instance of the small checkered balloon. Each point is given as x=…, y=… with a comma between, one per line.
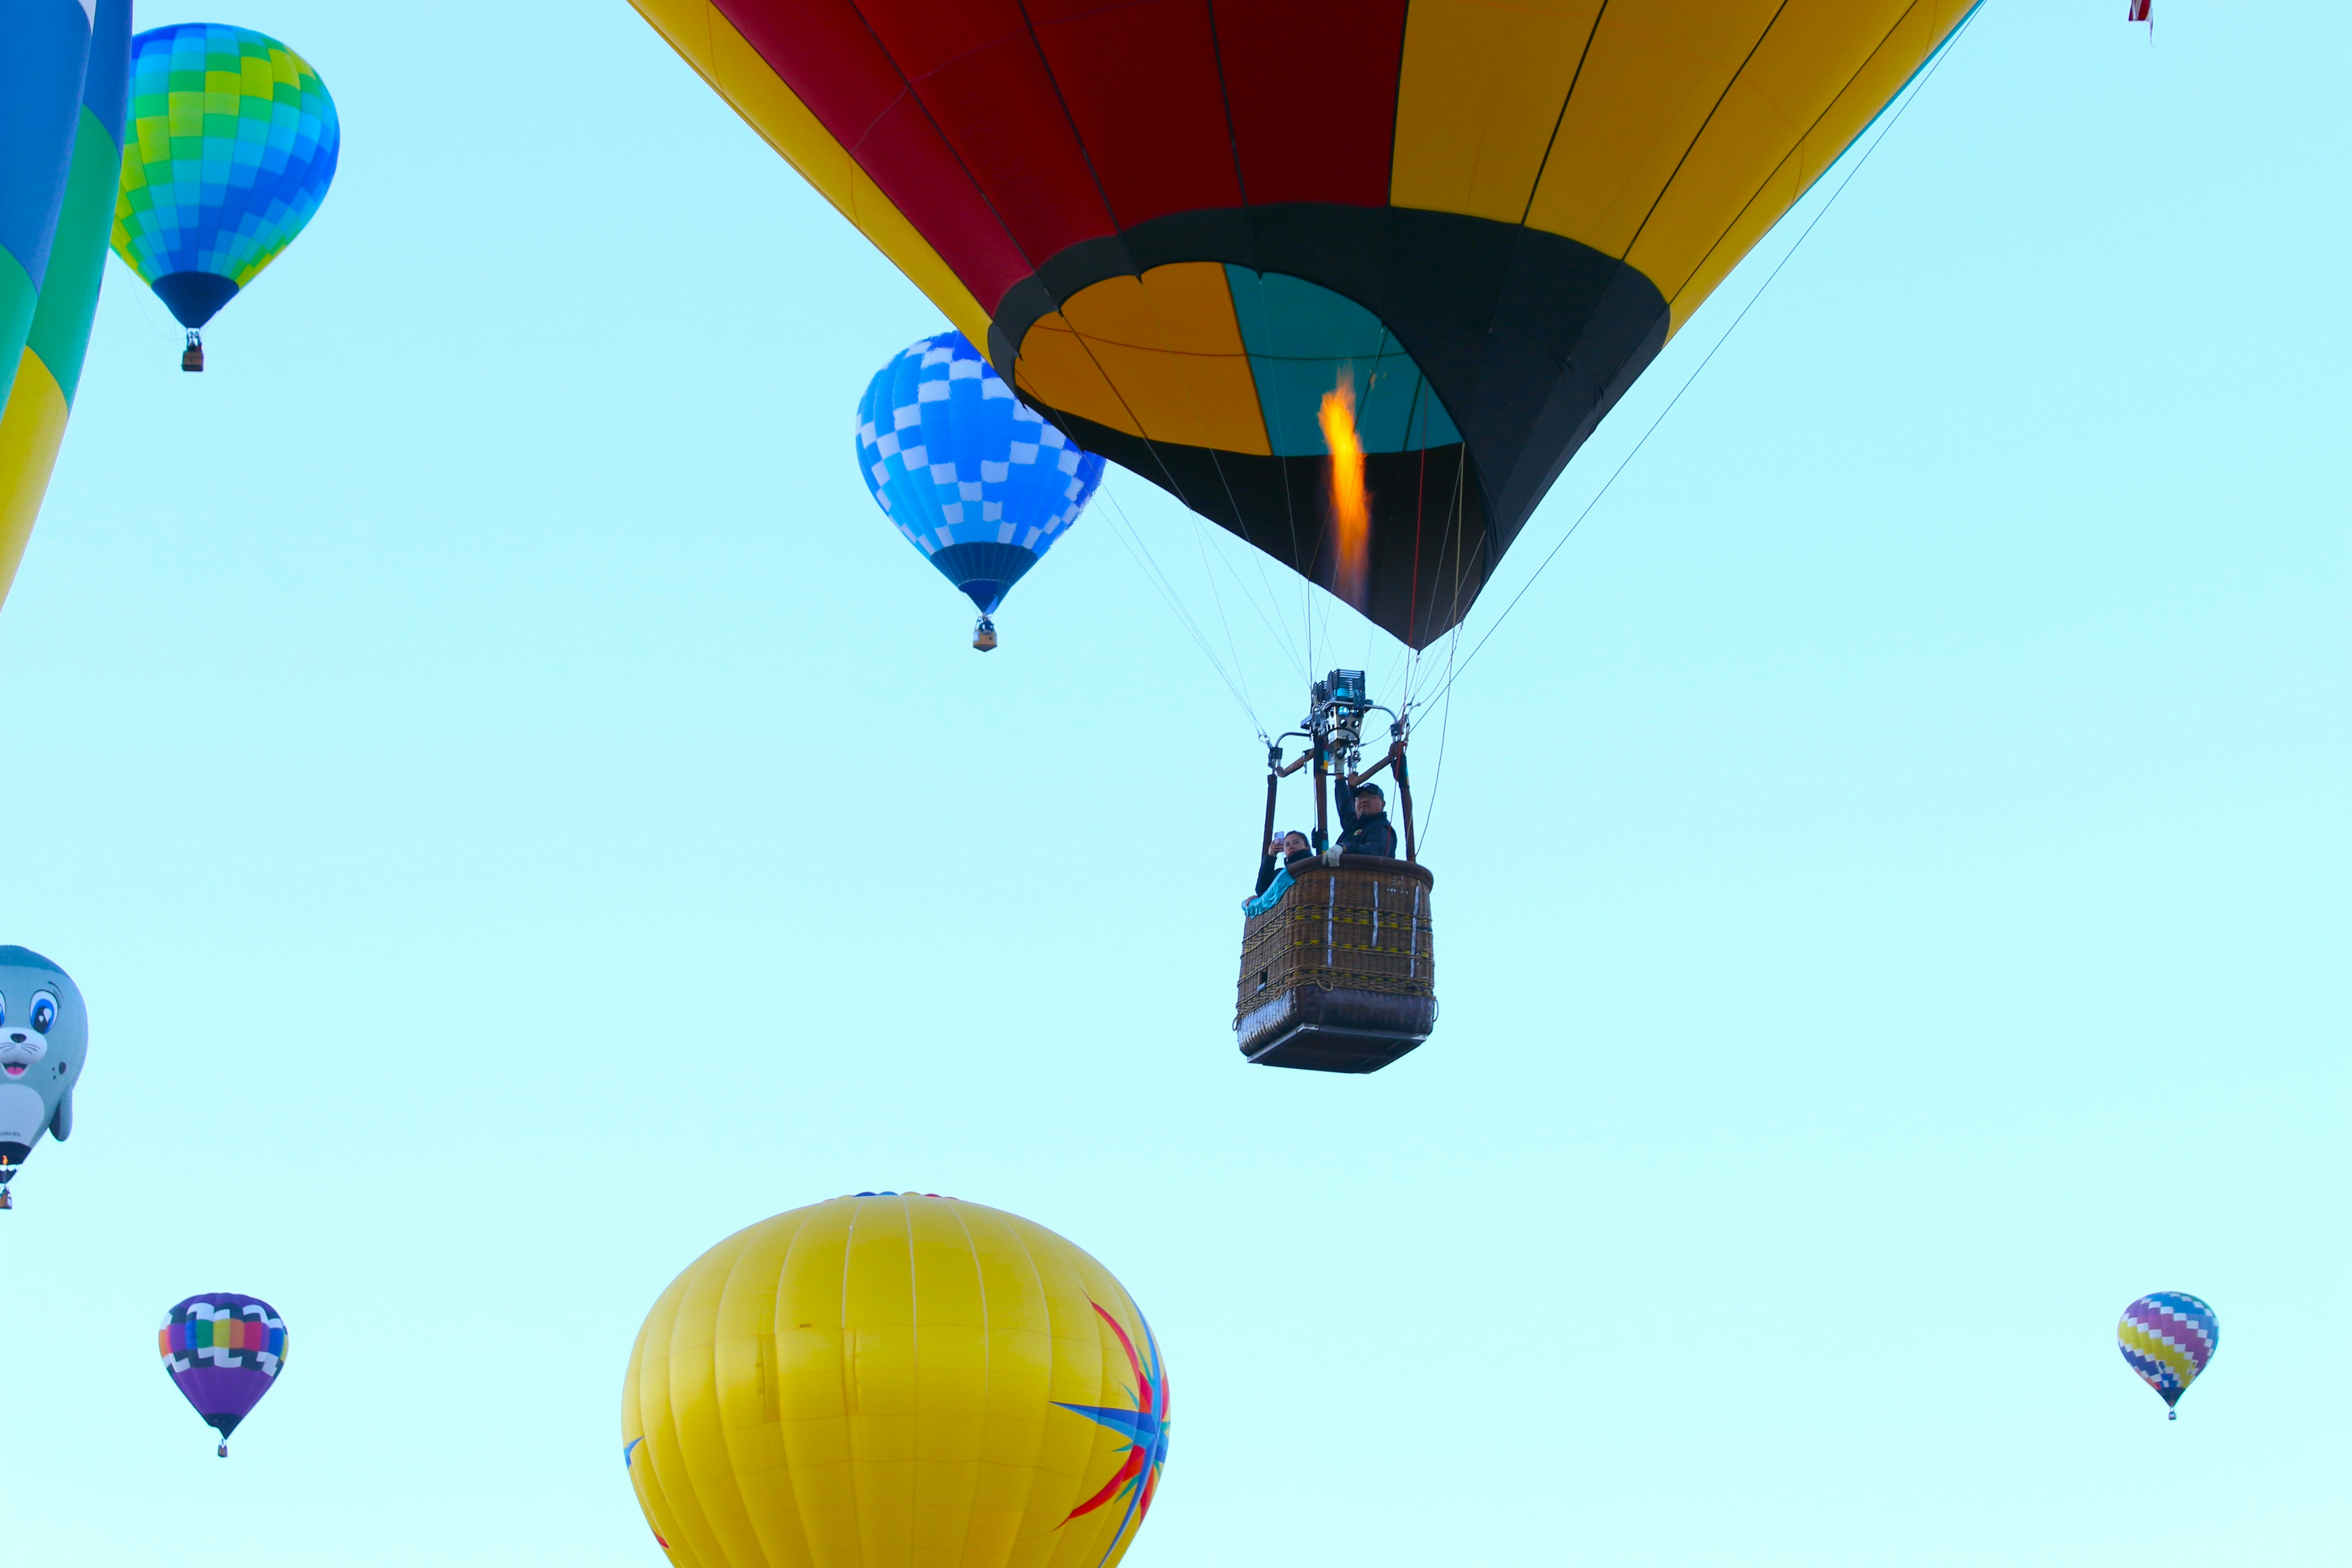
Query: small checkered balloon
x=974, y=479
x=223, y=1352
x=230, y=148
x=2167, y=1338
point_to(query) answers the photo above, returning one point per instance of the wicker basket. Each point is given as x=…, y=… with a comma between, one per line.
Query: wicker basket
x=1339, y=975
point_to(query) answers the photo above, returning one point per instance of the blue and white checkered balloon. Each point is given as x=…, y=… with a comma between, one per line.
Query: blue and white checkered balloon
x=972, y=478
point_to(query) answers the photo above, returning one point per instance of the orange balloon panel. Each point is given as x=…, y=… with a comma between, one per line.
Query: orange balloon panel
x=895, y=1381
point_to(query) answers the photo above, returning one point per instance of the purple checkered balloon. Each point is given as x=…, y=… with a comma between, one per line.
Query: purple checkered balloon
x=224, y=1351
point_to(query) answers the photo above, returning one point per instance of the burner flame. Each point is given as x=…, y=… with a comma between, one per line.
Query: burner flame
x=1351, y=513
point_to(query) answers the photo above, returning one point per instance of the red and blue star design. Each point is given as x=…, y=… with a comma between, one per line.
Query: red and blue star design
x=1145, y=1427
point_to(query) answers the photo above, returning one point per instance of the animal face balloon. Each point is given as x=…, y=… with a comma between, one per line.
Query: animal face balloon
x=44, y=1034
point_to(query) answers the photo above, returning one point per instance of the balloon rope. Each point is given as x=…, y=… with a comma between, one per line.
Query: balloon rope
x=1942, y=54
x=1202, y=527
x=1444, y=727
x=1150, y=567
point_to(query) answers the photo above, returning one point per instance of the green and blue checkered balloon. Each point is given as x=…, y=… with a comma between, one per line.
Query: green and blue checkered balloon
x=231, y=145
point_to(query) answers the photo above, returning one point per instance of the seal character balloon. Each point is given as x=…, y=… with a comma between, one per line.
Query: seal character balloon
x=44, y=1036
x=2167, y=1338
x=224, y=1351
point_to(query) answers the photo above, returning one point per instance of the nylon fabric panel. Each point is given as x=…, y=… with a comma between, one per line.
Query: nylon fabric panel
x=1082, y=1358
x=2133, y=1337
x=978, y=74
x=60, y=329
x=1925, y=27
x=926, y=521
x=750, y=1408
x=1301, y=338
x=1140, y=83
x=1052, y=356
x=1312, y=89
x=824, y=51
x=878, y=1296
x=725, y=1534
x=41, y=71
x=1020, y=1383
x=40, y=401
x=30, y=435
x=1813, y=49
x=1652, y=76
x=1481, y=90
x=814, y=1391
x=656, y=1467
x=720, y=56
x=1169, y=343
x=951, y=1387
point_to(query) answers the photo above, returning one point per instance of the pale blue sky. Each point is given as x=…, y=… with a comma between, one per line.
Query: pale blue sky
x=518, y=813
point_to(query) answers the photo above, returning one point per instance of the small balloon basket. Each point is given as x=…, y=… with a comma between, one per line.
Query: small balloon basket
x=1340, y=975
x=193, y=356
x=984, y=635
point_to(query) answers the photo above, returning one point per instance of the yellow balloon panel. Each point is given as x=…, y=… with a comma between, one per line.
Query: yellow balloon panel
x=895, y=1381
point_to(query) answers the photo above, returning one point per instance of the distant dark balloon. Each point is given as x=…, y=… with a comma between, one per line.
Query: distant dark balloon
x=224, y=1351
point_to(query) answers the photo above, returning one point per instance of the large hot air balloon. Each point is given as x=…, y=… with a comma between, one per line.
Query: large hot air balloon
x=1178, y=227
x=44, y=1040
x=894, y=1378
x=49, y=369
x=41, y=72
x=2167, y=1338
x=232, y=144
x=224, y=1351
x=976, y=481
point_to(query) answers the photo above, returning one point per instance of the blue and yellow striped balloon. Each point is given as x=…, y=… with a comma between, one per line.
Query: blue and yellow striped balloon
x=232, y=144
x=2167, y=1338
x=48, y=291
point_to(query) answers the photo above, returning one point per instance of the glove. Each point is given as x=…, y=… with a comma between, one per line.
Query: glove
x=1331, y=856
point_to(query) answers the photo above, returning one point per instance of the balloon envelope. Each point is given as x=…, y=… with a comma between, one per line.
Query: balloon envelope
x=1175, y=227
x=41, y=74
x=233, y=143
x=2167, y=1338
x=44, y=1042
x=895, y=1378
x=976, y=481
x=224, y=1351
x=49, y=371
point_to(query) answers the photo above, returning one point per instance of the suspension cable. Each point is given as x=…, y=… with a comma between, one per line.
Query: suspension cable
x=1146, y=563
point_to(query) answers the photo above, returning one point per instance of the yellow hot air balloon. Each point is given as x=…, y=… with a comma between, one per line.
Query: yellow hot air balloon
x=894, y=1379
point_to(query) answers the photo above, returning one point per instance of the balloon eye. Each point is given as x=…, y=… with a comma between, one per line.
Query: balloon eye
x=44, y=1012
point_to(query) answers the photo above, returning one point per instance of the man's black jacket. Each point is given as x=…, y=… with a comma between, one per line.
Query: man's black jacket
x=1364, y=835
